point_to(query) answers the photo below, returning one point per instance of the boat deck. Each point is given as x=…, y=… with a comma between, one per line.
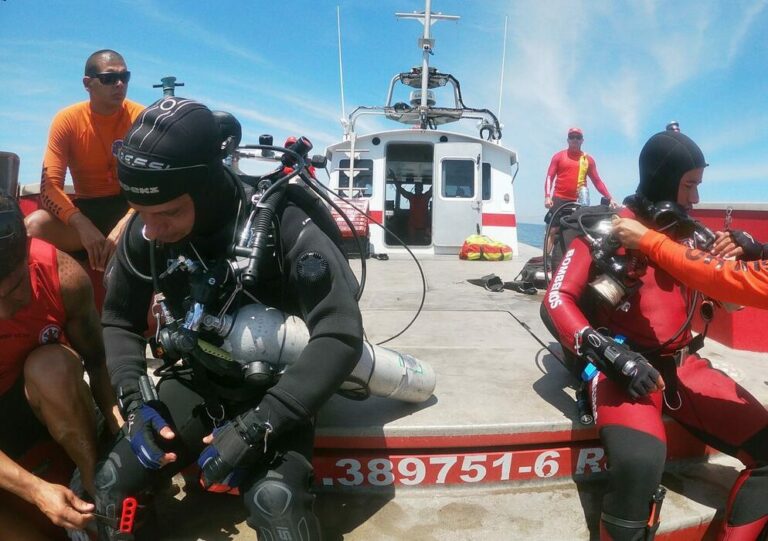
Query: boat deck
x=497, y=453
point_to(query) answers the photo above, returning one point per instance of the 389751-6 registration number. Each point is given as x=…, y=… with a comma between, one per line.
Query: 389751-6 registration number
x=452, y=469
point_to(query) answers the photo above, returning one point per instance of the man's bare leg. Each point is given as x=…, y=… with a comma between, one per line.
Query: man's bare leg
x=553, y=232
x=60, y=398
x=43, y=225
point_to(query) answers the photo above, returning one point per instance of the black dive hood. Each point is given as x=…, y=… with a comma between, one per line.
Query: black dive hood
x=664, y=159
x=174, y=148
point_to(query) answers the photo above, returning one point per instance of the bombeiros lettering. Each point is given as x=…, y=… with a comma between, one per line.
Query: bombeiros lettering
x=554, y=292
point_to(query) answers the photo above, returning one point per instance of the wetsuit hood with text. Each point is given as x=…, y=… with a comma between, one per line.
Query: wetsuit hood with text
x=664, y=159
x=173, y=148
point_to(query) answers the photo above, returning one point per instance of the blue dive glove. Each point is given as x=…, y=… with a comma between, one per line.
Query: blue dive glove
x=142, y=424
x=240, y=442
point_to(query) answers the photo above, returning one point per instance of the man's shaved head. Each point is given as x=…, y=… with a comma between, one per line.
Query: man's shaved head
x=92, y=65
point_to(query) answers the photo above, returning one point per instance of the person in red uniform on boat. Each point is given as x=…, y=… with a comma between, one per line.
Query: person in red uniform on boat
x=566, y=180
x=729, y=281
x=85, y=138
x=49, y=329
x=418, y=215
x=641, y=347
x=568, y=172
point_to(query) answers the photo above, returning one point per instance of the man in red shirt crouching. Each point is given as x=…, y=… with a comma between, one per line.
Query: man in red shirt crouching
x=49, y=330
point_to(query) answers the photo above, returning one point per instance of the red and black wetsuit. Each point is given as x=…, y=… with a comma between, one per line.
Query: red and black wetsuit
x=39, y=323
x=704, y=400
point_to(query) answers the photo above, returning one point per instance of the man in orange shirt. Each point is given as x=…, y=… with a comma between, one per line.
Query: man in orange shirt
x=85, y=138
x=730, y=281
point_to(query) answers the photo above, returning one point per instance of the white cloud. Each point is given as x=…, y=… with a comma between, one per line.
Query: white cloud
x=193, y=30
x=319, y=137
x=622, y=95
x=306, y=103
x=735, y=133
x=742, y=29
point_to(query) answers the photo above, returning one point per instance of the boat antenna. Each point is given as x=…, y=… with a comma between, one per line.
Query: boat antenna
x=503, y=59
x=341, y=69
x=426, y=44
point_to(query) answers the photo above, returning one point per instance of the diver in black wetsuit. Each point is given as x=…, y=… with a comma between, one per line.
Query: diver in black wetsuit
x=246, y=434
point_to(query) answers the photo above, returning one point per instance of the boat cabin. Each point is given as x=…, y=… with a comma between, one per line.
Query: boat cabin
x=467, y=182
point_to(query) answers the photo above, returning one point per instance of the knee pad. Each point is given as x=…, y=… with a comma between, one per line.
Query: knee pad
x=110, y=500
x=280, y=504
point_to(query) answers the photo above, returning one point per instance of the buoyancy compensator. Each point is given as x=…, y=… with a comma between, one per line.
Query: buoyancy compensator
x=620, y=269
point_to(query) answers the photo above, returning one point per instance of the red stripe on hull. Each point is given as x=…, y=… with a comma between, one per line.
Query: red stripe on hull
x=458, y=460
x=499, y=220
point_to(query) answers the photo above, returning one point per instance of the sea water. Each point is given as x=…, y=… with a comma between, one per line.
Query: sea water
x=531, y=234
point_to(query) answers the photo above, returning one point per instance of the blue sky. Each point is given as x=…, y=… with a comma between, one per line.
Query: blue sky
x=618, y=69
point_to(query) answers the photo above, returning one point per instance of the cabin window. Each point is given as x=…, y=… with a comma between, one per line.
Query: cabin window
x=486, y=181
x=459, y=178
x=362, y=184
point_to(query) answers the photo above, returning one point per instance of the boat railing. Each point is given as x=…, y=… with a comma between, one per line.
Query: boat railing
x=489, y=127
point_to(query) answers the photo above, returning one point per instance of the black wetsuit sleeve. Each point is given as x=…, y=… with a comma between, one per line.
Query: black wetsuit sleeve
x=332, y=315
x=126, y=304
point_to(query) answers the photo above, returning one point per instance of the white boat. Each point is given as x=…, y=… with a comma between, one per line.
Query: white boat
x=471, y=177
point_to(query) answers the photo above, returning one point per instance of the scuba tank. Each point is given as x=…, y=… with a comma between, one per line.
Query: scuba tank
x=265, y=340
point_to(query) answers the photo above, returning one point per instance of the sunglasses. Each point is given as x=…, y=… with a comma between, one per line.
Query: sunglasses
x=110, y=78
x=575, y=137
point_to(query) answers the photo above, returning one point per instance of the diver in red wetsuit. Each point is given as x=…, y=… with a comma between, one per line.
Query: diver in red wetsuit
x=49, y=329
x=653, y=372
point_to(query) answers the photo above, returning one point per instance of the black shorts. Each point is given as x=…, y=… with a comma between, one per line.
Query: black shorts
x=20, y=429
x=557, y=202
x=104, y=212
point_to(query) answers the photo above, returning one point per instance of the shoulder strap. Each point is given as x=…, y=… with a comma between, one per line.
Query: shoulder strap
x=317, y=211
x=583, y=167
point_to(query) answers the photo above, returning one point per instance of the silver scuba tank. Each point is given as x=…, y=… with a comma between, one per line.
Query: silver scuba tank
x=265, y=339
